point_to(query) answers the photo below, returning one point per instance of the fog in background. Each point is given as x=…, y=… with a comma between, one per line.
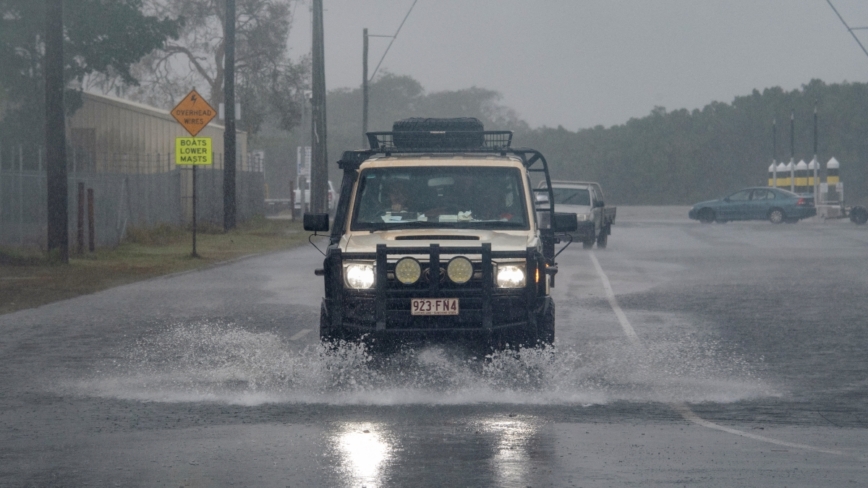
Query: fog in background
x=594, y=62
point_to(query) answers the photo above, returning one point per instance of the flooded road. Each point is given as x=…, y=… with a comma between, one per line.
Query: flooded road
x=686, y=354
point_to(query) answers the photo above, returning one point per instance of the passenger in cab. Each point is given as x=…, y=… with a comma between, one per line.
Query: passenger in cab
x=397, y=192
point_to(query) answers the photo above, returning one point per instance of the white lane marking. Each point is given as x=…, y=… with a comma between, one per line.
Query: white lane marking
x=690, y=415
x=610, y=294
x=681, y=407
x=299, y=335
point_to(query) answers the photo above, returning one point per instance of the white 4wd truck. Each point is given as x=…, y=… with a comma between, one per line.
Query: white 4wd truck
x=585, y=199
x=437, y=232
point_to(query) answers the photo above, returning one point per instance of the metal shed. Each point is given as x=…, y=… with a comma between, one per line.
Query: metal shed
x=109, y=134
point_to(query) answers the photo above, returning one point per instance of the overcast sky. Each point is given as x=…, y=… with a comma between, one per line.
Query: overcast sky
x=587, y=62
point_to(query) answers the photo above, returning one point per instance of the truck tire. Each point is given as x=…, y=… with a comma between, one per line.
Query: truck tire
x=603, y=238
x=424, y=124
x=327, y=334
x=588, y=243
x=416, y=132
x=859, y=215
x=546, y=325
x=542, y=335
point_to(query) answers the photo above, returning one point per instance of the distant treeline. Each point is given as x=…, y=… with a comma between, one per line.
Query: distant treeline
x=676, y=157
x=681, y=157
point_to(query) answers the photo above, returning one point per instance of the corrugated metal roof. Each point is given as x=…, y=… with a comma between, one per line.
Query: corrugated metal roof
x=140, y=108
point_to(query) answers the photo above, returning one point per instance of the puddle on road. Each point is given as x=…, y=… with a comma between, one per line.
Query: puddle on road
x=228, y=364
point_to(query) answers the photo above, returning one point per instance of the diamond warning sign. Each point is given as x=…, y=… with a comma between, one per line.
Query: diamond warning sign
x=193, y=112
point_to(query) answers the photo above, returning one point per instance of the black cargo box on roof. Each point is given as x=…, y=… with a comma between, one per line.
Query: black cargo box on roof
x=419, y=132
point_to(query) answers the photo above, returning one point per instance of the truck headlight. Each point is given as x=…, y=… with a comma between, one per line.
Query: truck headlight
x=359, y=276
x=510, y=275
x=584, y=217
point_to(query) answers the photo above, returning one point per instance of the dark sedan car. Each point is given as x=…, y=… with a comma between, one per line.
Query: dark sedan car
x=759, y=203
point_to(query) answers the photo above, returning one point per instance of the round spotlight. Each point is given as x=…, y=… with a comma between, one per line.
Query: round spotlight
x=408, y=271
x=459, y=270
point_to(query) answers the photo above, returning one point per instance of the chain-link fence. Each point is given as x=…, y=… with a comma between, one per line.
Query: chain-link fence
x=142, y=194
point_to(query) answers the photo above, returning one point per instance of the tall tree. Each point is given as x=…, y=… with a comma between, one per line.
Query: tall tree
x=682, y=156
x=667, y=157
x=268, y=83
x=394, y=97
x=99, y=36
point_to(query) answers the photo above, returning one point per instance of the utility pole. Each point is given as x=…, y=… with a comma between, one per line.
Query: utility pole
x=365, y=79
x=775, y=152
x=792, y=150
x=319, y=156
x=775, y=140
x=229, y=127
x=55, y=132
x=816, y=161
x=364, y=87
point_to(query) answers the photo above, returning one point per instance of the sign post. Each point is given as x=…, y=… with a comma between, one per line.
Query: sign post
x=193, y=113
x=194, y=151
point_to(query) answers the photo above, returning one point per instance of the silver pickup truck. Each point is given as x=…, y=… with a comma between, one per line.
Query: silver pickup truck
x=585, y=199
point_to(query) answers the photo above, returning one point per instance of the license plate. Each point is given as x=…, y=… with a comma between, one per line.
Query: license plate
x=434, y=306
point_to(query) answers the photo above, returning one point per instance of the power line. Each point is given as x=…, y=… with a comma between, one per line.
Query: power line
x=396, y=36
x=848, y=27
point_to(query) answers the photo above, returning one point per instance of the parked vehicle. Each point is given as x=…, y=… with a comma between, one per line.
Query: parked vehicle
x=585, y=199
x=426, y=243
x=760, y=203
x=332, y=197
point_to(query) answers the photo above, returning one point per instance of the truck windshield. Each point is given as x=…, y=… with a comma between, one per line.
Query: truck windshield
x=441, y=197
x=571, y=196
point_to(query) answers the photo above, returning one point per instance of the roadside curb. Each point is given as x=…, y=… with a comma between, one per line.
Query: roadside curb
x=217, y=264
x=160, y=277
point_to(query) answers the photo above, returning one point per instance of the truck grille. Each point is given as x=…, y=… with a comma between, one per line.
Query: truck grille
x=482, y=306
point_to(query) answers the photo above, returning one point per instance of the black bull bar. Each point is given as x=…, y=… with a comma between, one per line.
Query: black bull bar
x=481, y=288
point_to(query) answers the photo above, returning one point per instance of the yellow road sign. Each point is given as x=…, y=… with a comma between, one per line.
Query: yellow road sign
x=193, y=112
x=193, y=151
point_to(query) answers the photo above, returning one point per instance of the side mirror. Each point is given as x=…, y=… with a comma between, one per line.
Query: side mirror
x=565, y=222
x=316, y=222
x=599, y=203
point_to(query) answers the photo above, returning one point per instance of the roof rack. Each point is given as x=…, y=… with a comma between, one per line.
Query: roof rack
x=440, y=141
x=351, y=160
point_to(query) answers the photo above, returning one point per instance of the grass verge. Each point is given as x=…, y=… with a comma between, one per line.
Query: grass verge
x=30, y=279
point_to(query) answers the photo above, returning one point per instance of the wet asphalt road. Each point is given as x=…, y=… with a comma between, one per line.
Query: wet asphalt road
x=688, y=355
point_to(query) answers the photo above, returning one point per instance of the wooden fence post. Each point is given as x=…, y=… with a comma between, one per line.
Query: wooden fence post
x=80, y=219
x=90, y=224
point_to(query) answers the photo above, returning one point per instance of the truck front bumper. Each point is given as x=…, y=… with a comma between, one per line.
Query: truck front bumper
x=386, y=309
x=359, y=314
